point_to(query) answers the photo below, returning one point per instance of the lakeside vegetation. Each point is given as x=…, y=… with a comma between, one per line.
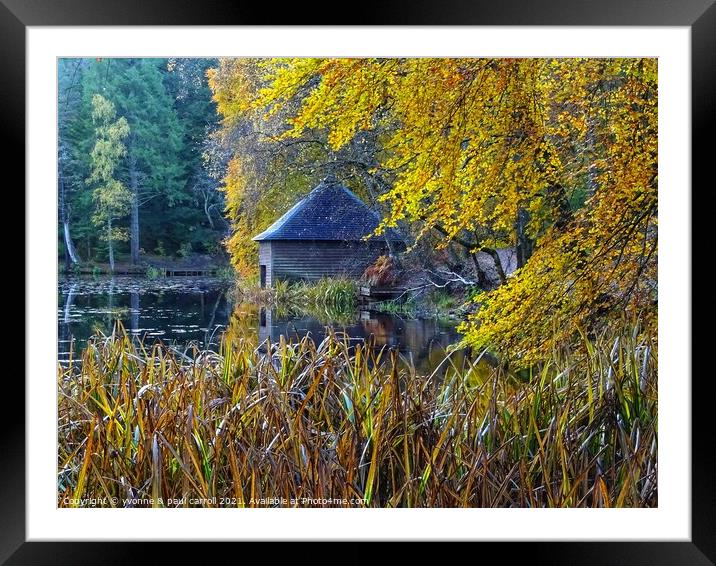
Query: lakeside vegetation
x=330, y=300
x=553, y=159
x=525, y=191
x=333, y=421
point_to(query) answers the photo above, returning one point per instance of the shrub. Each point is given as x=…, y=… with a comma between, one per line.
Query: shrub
x=383, y=272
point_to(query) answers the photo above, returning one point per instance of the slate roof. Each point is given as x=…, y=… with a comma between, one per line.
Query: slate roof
x=328, y=212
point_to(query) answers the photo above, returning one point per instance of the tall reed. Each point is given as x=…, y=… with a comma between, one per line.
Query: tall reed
x=334, y=423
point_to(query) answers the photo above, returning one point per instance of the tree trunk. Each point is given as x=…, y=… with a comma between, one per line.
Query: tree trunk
x=111, y=249
x=557, y=197
x=207, y=210
x=482, y=282
x=134, y=226
x=69, y=245
x=498, y=264
x=71, y=255
x=525, y=245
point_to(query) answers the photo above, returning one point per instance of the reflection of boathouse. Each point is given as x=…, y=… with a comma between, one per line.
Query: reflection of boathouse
x=424, y=341
x=322, y=236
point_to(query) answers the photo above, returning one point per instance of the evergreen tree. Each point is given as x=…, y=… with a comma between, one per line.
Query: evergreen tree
x=152, y=169
x=176, y=206
x=186, y=81
x=69, y=89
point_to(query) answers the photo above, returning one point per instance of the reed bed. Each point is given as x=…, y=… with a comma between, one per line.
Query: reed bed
x=328, y=299
x=337, y=423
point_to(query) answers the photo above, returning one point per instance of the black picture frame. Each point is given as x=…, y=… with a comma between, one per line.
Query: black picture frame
x=699, y=15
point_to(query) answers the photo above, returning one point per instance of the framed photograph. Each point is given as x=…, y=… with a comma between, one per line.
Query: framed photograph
x=425, y=276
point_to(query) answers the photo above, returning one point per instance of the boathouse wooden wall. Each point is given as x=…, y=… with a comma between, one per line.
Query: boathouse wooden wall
x=265, y=260
x=311, y=260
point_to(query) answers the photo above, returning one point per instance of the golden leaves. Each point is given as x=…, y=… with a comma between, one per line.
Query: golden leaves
x=472, y=142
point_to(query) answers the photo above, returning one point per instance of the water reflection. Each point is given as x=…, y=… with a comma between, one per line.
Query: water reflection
x=423, y=342
x=173, y=310
x=183, y=311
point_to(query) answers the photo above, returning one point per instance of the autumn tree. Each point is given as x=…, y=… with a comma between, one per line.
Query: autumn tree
x=264, y=173
x=261, y=177
x=110, y=196
x=556, y=157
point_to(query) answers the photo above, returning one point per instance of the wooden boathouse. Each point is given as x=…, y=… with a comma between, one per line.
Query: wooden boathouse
x=323, y=235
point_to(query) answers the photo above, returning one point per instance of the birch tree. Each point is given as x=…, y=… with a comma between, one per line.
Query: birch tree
x=111, y=198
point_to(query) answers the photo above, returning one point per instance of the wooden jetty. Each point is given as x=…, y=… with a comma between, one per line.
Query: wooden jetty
x=373, y=293
x=189, y=272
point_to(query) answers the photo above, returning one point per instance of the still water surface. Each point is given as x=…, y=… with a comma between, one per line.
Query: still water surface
x=190, y=310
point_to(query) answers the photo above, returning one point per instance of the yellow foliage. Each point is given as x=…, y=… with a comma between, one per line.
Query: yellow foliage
x=472, y=142
x=255, y=197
